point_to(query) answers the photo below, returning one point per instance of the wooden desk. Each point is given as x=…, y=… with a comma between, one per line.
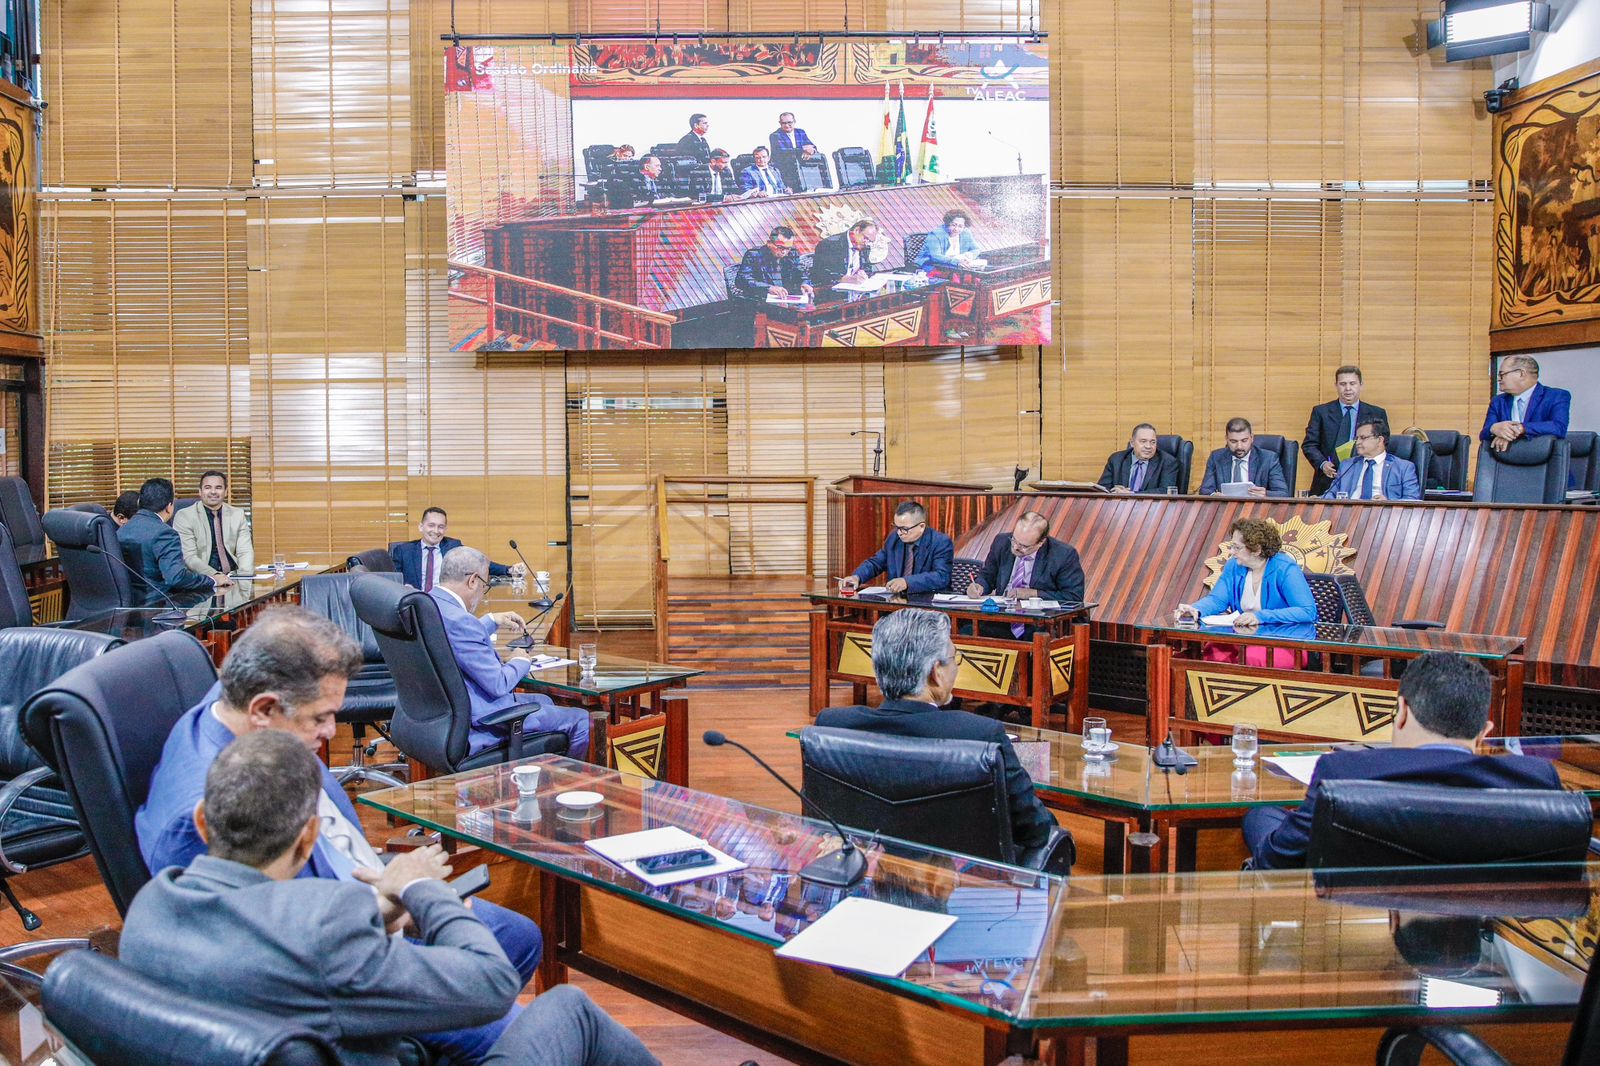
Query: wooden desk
x=896, y=315
x=1017, y=280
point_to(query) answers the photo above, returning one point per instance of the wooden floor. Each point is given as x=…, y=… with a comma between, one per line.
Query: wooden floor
x=72, y=902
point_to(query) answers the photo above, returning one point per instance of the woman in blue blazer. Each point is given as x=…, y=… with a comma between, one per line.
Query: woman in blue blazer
x=1264, y=585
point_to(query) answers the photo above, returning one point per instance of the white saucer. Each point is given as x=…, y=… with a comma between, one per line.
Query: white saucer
x=579, y=801
x=1107, y=750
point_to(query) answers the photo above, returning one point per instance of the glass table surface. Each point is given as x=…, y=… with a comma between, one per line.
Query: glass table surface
x=1010, y=610
x=1337, y=637
x=191, y=610
x=612, y=673
x=1042, y=952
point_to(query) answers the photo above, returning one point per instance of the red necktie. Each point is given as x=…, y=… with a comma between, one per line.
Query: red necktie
x=427, y=573
x=222, y=550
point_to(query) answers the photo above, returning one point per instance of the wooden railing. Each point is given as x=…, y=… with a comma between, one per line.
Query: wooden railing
x=563, y=317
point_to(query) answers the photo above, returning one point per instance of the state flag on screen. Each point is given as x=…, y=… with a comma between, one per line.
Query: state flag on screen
x=902, y=143
x=928, y=167
x=886, y=142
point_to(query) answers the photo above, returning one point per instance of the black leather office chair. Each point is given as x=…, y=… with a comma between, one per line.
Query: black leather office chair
x=90, y=508
x=1181, y=450
x=369, y=697
x=1447, y=459
x=911, y=247
x=1330, y=607
x=963, y=572
x=1585, y=471
x=15, y=607
x=96, y=580
x=19, y=513
x=1419, y=453
x=812, y=174
x=102, y=725
x=948, y=794
x=115, y=1016
x=1531, y=470
x=1288, y=453
x=433, y=714
x=373, y=561
x=730, y=281
x=855, y=168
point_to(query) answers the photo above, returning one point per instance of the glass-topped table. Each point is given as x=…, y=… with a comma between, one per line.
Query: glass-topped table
x=618, y=684
x=1085, y=959
x=214, y=617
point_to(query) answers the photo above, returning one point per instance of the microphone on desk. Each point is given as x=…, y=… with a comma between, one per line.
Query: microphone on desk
x=1171, y=757
x=837, y=869
x=526, y=640
x=544, y=599
x=141, y=580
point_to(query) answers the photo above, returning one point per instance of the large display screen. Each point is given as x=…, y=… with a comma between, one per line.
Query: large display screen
x=786, y=193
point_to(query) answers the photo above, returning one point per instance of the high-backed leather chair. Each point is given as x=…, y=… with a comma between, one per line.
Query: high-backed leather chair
x=1288, y=453
x=369, y=697
x=948, y=794
x=1181, y=450
x=1419, y=453
x=855, y=168
x=15, y=608
x=1531, y=470
x=102, y=726
x=911, y=247
x=433, y=715
x=1447, y=460
x=89, y=507
x=19, y=513
x=115, y=1016
x=963, y=572
x=373, y=561
x=1585, y=471
x=96, y=580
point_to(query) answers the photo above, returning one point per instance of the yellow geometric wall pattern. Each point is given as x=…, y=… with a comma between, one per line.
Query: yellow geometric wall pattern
x=1061, y=670
x=1312, y=709
x=984, y=668
x=643, y=754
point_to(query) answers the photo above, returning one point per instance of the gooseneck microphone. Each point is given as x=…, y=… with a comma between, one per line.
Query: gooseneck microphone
x=837, y=869
x=526, y=640
x=1171, y=757
x=544, y=599
x=140, y=581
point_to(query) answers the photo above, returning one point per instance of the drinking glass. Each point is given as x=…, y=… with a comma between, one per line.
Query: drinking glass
x=588, y=658
x=1246, y=743
x=1341, y=495
x=280, y=563
x=1242, y=785
x=1095, y=735
x=1172, y=490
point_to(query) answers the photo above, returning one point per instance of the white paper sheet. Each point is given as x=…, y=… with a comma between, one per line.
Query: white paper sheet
x=1235, y=488
x=546, y=662
x=1224, y=619
x=873, y=590
x=950, y=597
x=872, y=283
x=627, y=848
x=1298, y=767
x=867, y=936
x=800, y=299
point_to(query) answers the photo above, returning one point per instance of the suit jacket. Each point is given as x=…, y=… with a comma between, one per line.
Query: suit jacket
x=930, y=563
x=1057, y=573
x=1160, y=473
x=1432, y=765
x=1326, y=429
x=1546, y=414
x=316, y=952
x=700, y=183
x=193, y=526
x=751, y=178
x=831, y=261
x=778, y=141
x=1399, y=479
x=154, y=551
x=1285, y=593
x=1030, y=822
x=936, y=250
x=407, y=556
x=1263, y=467
x=164, y=823
x=491, y=684
x=759, y=270
x=692, y=144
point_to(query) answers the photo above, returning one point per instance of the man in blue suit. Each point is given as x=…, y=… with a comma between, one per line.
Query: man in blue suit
x=1523, y=407
x=759, y=179
x=1241, y=460
x=1442, y=714
x=916, y=557
x=419, y=560
x=288, y=672
x=492, y=684
x=153, y=550
x=1372, y=473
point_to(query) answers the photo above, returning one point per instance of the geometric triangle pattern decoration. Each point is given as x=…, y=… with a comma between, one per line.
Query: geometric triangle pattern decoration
x=1329, y=711
x=1019, y=297
x=1223, y=691
x=855, y=655
x=896, y=327
x=986, y=669
x=1297, y=701
x=1376, y=710
x=642, y=754
x=959, y=301
x=1061, y=670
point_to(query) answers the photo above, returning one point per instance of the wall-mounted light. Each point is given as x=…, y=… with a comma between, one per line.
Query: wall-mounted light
x=1468, y=29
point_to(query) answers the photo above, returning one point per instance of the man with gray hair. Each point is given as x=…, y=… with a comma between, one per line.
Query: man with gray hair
x=492, y=684
x=915, y=663
x=1523, y=407
x=240, y=926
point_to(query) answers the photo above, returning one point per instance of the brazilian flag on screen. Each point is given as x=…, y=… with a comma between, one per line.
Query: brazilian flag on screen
x=902, y=144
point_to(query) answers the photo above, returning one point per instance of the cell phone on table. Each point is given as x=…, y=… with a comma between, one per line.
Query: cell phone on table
x=472, y=882
x=672, y=861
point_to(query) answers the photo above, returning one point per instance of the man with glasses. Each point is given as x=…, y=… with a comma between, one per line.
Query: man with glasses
x=790, y=145
x=915, y=557
x=1523, y=407
x=492, y=684
x=1028, y=563
x=1372, y=473
x=1332, y=425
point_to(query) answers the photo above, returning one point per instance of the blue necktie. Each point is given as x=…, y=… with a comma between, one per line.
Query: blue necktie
x=1138, y=477
x=1349, y=425
x=1366, y=479
x=1519, y=407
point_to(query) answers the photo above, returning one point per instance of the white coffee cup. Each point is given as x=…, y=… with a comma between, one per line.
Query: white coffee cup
x=526, y=778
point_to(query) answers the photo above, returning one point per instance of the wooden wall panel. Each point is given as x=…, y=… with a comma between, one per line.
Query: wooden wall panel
x=963, y=414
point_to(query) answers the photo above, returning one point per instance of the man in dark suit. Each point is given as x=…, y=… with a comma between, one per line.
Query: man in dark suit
x=1523, y=407
x=915, y=664
x=789, y=146
x=1142, y=467
x=153, y=550
x=773, y=269
x=1334, y=423
x=759, y=179
x=694, y=143
x=1442, y=714
x=1028, y=562
x=916, y=557
x=419, y=560
x=240, y=927
x=716, y=181
x=647, y=186
x=844, y=256
x=1241, y=460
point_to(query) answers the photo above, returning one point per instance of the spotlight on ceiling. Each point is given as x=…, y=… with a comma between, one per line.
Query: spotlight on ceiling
x=1471, y=28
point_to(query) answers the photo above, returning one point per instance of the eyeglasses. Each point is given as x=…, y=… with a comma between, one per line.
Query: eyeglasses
x=1369, y=436
x=956, y=658
x=1508, y=373
x=903, y=530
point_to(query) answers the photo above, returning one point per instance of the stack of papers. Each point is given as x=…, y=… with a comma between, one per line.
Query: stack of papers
x=867, y=936
x=545, y=662
x=627, y=849
x=1299, y=767
x=950, y=597
x=1224, y=619
x=800, y=299
x=873, y=590
x=287, y=566
x=871, y=283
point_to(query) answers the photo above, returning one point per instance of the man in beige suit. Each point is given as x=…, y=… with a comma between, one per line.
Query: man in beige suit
x=198, y=528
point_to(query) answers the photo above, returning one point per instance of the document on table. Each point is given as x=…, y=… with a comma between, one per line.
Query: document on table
x=873, y=590
x=871, y=283
x=867, y=936
x=545, y=662
x=627, y=849
x=900, y=276
x=798, y=299
x=1224, y=619
x=1299, y=767
x=950, y=597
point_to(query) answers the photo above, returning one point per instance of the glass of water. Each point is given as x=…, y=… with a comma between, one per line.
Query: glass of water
x=1096, y=735
x=280, y=563
x=588, y=658
x=1246, y=742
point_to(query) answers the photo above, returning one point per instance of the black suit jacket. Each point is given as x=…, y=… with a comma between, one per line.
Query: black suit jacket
x=1160, y=474
x=1057, y=573
x=1324, y=434
x=1450, y=766
x=700, y=183
x=760, y=269
x=1030, y=822
x=692, y=144
x=407, y=556
x=831, y=261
